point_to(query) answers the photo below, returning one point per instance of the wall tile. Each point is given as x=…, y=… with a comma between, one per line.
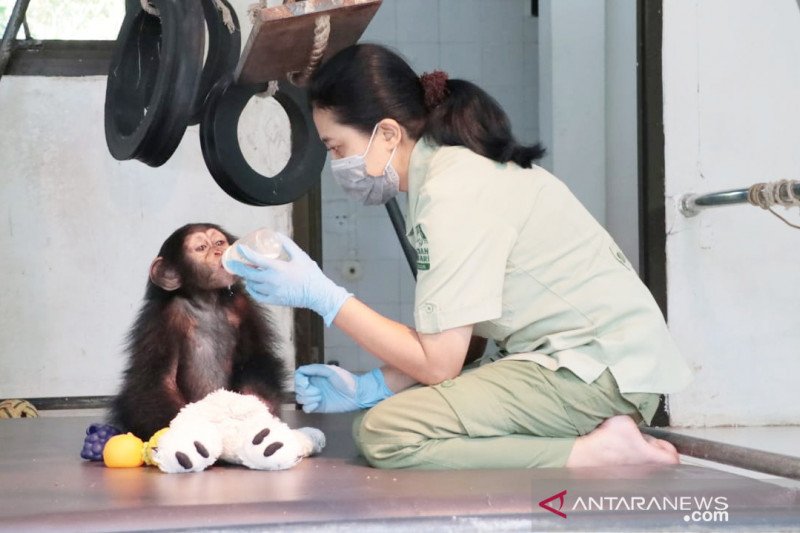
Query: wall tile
x=378, y=236
x=503, y=64
x=503, y=20
x=383, y=26
x=380, y=281
x=460, y=20
x=417, y=21
x=423, y=57
x=462, y=60
x=530, y=29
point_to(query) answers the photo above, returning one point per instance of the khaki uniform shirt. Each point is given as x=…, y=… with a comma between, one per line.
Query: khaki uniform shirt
x=513, y=252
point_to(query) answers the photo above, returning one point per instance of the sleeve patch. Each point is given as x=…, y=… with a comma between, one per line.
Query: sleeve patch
x=421, y=245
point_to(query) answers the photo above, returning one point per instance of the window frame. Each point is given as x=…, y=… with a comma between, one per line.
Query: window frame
x=59, y=58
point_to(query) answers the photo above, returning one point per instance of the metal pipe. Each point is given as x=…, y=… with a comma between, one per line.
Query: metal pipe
x=748, y=458
x=692, y=204
x=399, y=224
x=14, y=22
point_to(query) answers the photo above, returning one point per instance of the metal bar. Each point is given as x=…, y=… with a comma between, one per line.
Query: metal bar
x=748, y=458
x=399, y=224
x=692, y=204
x=14, y=23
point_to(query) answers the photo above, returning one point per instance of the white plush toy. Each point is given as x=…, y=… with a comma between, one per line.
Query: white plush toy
x=233, y=427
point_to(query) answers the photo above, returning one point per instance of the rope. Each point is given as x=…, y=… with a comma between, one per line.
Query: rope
x=149, y=8
x=322, y=31
x=272, y=88
x=253, y=9
x=781, y=192
x=227, y=18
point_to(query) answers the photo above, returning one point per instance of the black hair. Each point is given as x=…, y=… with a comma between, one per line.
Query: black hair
x=365, y=83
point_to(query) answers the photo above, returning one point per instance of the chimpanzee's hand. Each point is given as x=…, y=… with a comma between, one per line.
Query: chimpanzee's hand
x=297, y=282
x=330, y=389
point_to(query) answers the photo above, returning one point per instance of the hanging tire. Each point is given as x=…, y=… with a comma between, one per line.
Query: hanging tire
x=224, y=48
x=153, y=80
x=227, y=164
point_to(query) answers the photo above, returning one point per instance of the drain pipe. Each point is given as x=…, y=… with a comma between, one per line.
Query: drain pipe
x=748, y=458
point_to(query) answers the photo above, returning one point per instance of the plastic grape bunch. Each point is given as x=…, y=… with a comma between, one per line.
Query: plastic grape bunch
x=96, y=437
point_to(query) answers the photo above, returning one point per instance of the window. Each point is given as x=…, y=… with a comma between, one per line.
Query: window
x=84, y=20
x=67, y=37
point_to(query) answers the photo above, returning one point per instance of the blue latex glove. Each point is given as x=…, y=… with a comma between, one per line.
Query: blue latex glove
x=330, y=389
x=297, y=282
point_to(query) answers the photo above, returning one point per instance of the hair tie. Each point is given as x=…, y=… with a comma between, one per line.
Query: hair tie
x=434, y=88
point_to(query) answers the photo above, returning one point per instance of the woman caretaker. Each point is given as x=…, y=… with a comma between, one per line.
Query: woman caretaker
x=505, y=252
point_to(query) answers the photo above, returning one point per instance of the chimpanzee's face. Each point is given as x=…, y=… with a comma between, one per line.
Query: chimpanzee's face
x=203, y=252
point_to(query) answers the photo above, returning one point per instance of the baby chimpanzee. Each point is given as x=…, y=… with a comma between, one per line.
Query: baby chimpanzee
x=197, y=331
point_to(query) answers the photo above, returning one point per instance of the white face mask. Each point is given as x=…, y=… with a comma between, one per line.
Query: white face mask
x=351, y=174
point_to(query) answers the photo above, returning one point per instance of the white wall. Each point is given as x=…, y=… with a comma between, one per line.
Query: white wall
x=79, y=230
x=621, y=127
x=588, y=108
x=731, y=118
x=492, y=43
x=572, y=97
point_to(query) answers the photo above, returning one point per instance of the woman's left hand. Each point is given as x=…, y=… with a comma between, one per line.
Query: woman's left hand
x=297, y=282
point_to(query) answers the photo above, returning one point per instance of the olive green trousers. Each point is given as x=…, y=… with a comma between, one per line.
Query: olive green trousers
x=506, y=414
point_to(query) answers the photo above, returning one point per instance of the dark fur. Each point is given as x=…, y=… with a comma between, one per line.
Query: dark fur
x=168, y=367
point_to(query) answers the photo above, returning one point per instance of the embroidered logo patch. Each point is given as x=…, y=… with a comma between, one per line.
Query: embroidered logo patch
x=421, y=241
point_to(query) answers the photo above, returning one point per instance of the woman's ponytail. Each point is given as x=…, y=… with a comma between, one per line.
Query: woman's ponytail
x=467, y=116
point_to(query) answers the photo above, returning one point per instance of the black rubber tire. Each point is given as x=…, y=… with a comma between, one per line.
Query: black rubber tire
x=224, y=49
x=224, y=158
x=153, y=80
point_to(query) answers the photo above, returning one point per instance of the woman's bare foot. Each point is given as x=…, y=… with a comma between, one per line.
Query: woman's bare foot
x=660, y=443
x=618, y=441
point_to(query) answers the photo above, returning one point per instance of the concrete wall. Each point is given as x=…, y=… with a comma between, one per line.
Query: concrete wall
x=731, y=119
x=79, y=230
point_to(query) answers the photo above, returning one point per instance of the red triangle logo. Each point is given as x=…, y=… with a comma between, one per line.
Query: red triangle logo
x=545, y=504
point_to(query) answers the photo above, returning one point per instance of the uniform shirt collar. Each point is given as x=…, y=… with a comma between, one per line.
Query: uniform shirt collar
x=421, y=157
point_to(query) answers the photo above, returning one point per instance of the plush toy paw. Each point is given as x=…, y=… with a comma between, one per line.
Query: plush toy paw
x=274, y=446
x=191, y=446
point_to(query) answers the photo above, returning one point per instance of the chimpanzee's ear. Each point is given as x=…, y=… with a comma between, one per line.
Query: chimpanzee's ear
x=164, y=275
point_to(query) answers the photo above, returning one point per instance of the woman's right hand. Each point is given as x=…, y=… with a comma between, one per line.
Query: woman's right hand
x=296, y=282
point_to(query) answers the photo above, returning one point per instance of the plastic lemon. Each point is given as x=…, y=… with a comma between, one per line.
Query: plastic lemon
x=123, y=451
x=150, y=446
